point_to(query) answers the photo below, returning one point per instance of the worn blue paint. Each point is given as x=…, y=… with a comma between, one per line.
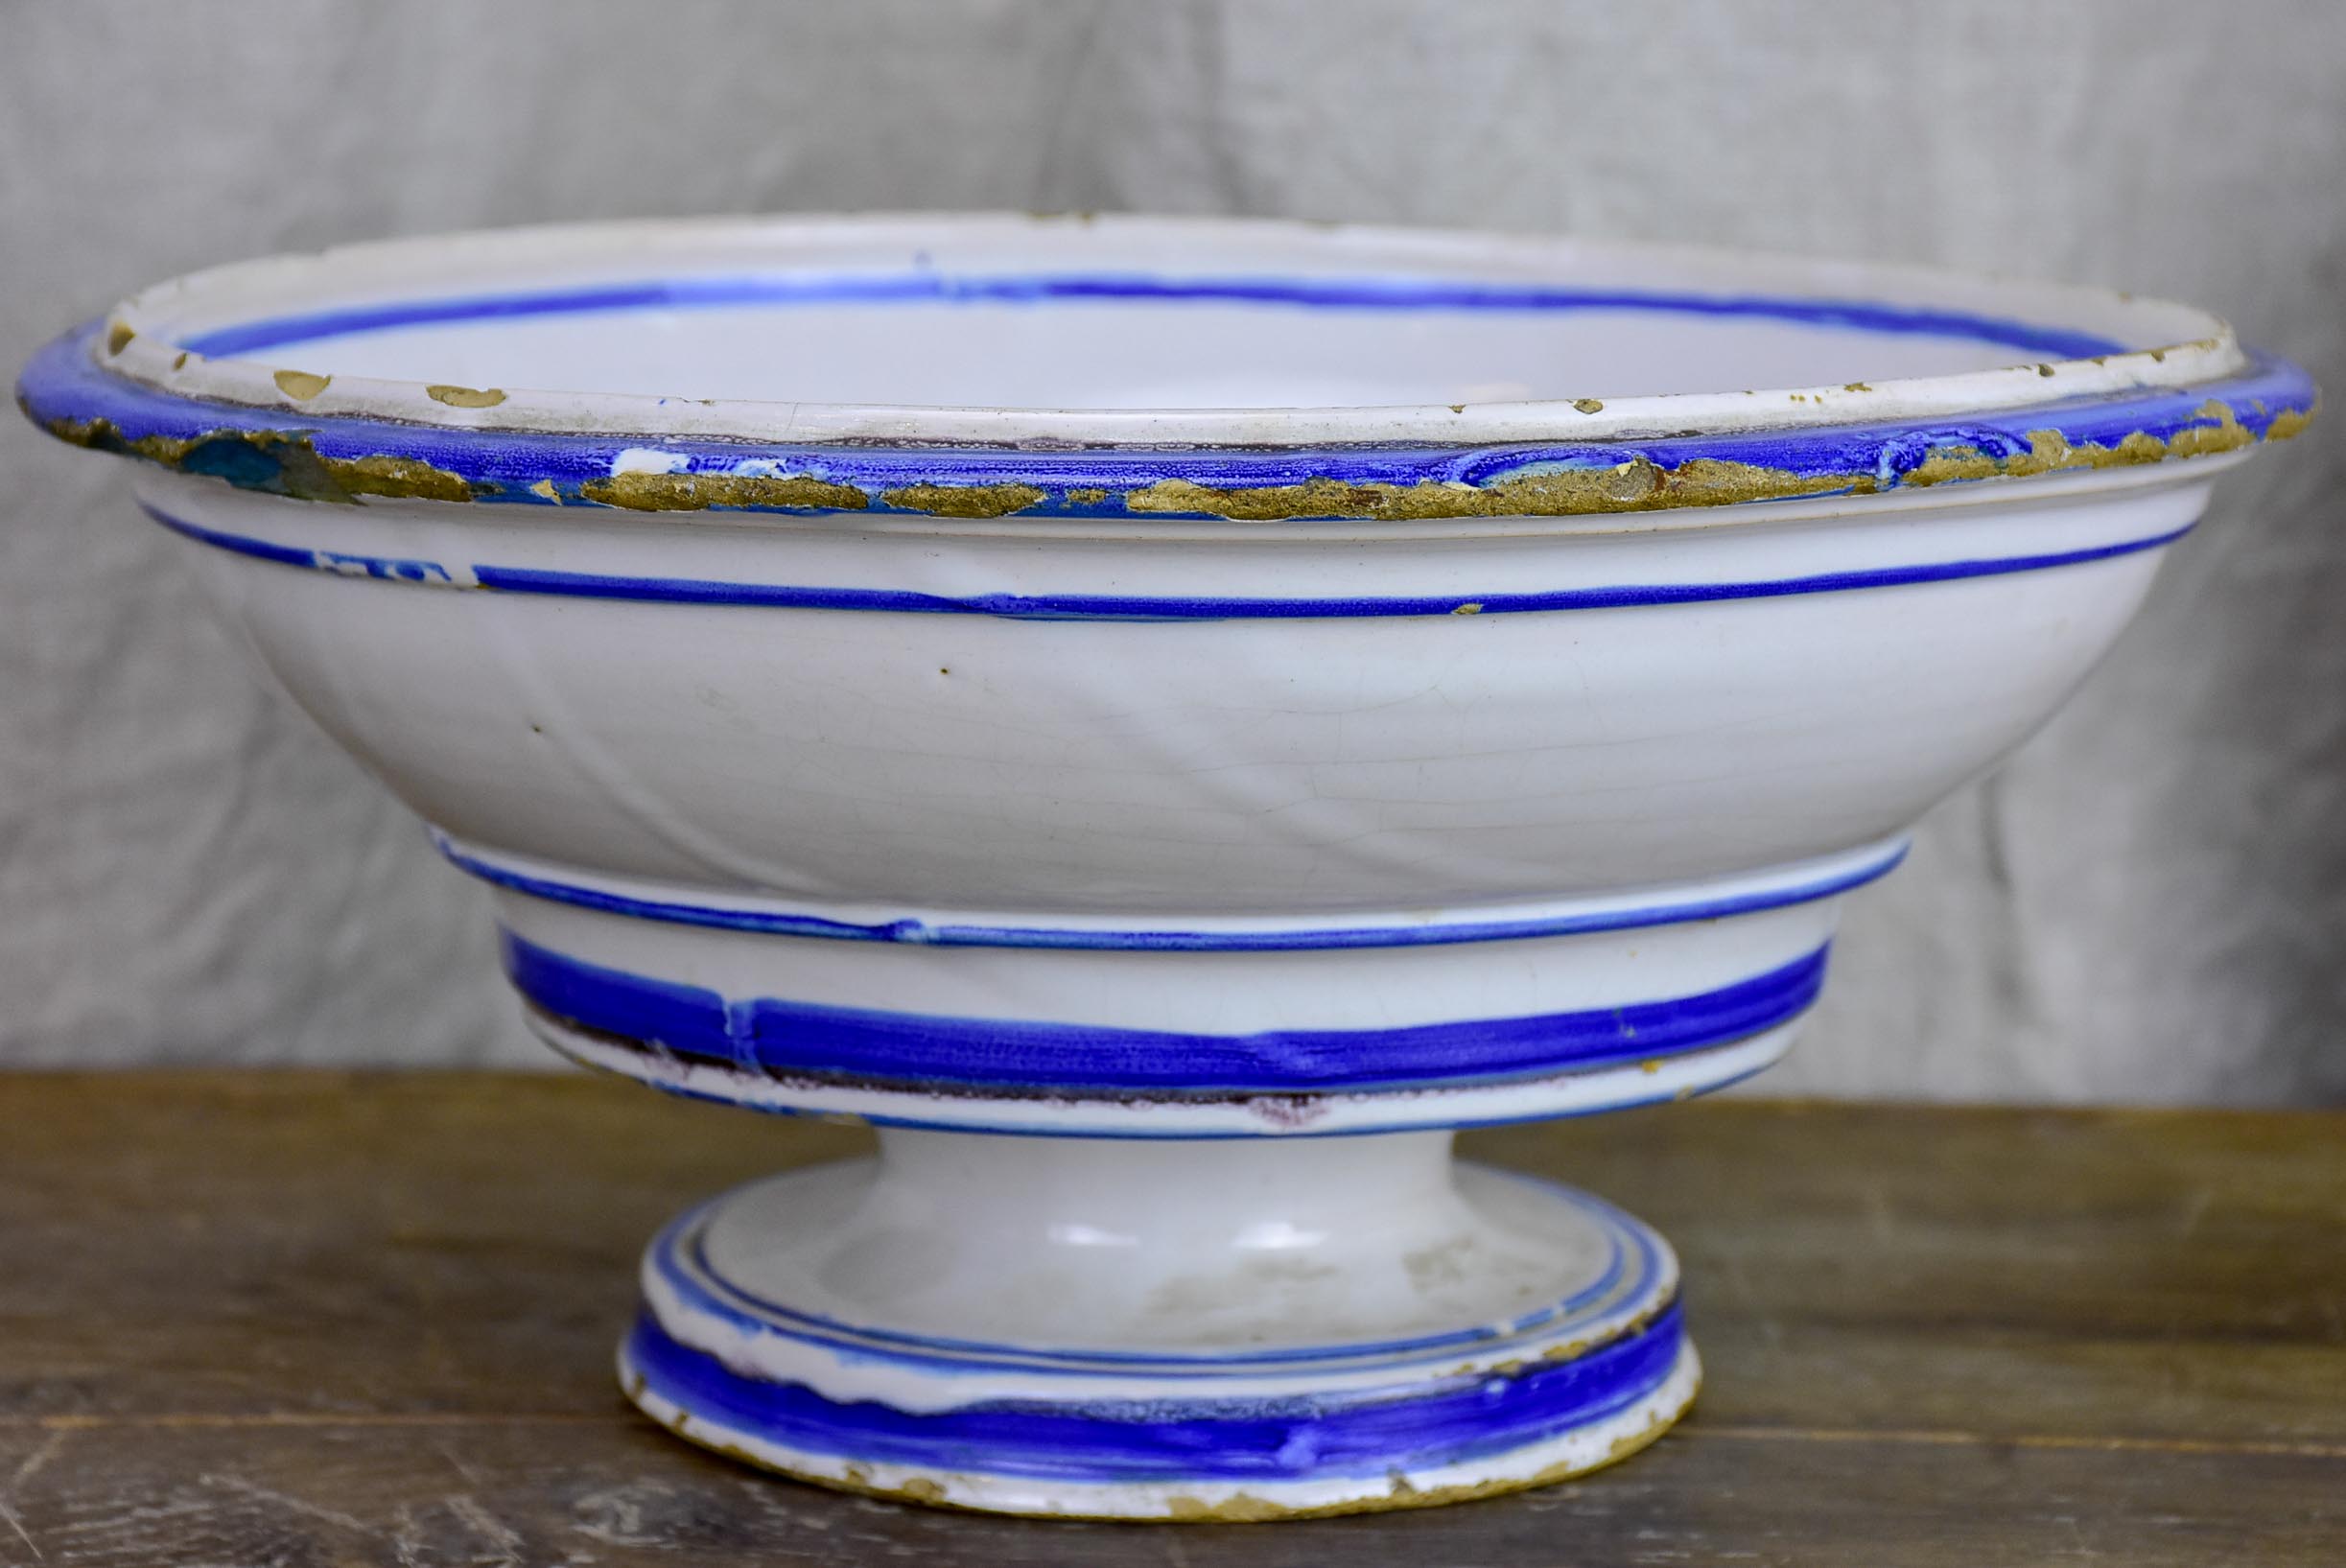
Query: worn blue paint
x=64, y=383
x=1131, y=607
x=341, y=563
x=1089, y=1130
x=1574, y=923
x=1632, y=1271
x=1368, y=1433
x=786, y=289
x=788, y=1039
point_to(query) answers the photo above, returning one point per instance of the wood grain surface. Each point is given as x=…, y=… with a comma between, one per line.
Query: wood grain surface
x=297, y=1319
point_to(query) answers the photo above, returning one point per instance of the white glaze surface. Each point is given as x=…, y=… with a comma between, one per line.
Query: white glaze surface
x=938, y=763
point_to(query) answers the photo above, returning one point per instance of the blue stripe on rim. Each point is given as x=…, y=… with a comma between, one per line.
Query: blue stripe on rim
x=1158, y=1441
x=785, y=1038
x=1081, y=938
x=1030, y=289
x=701, y=1289
x=1121, y=607
x=63, y=385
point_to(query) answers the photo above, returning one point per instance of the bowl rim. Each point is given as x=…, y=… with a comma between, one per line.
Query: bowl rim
x=137, y=381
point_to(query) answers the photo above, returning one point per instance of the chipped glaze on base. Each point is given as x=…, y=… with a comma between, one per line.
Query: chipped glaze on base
x=1165, y=718
x=1558, y=1458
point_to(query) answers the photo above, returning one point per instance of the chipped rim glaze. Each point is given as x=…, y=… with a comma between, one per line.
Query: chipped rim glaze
x=137, y=382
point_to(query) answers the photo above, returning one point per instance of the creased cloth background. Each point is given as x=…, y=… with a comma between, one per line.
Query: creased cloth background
x=2149, y=903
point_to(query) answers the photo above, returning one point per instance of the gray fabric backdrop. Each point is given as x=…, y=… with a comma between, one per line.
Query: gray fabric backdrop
x=2148, y=904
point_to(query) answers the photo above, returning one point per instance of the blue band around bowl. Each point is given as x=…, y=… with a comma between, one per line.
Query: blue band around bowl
x=780, y=1038
x=1581, y=921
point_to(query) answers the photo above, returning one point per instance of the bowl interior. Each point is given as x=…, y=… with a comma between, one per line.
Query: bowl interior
x=1119, y=316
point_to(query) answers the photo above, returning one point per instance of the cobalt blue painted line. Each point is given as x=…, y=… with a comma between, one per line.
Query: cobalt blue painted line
x=962, y=935
x=237, y=544
x=1123, y=607
x=1629, y=1270
x=788, y=1038
x=1126, y=607
x=388, y=568
x=1359, y=1435
x=64, y=386
x=958, y=935
x=1029, y=288
x=953, y=1357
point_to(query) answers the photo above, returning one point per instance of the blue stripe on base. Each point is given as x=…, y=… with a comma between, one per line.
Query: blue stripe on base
x=788, y=1038
x=680, y=1256
x=1161, y=1440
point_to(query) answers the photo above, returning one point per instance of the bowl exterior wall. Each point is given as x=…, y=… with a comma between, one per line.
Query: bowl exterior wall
x=1329, y=756
x=1289, y=801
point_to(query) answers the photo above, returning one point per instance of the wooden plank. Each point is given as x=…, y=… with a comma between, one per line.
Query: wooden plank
x=341, y=1243
x=612, y=1493
x=309, y=1318
x=2173, y=1274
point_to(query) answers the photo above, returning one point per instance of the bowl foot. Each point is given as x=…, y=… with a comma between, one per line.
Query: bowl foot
x=1179, y=1331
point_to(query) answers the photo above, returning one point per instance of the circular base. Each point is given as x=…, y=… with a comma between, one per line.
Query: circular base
x=1573, y=1451
x=1502, y=1333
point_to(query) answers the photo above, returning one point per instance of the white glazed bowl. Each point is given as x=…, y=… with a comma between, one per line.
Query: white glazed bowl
x=1168, y=679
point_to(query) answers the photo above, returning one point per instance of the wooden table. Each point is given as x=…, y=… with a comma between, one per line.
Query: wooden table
x=302, y=1318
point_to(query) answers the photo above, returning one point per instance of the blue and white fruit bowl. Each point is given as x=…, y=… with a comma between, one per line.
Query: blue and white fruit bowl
x=1167, y=720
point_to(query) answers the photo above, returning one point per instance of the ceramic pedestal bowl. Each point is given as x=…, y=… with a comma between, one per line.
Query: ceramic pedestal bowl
x=1167, y=720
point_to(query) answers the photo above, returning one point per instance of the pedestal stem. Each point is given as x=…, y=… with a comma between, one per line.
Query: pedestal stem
x=1318, y=1196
